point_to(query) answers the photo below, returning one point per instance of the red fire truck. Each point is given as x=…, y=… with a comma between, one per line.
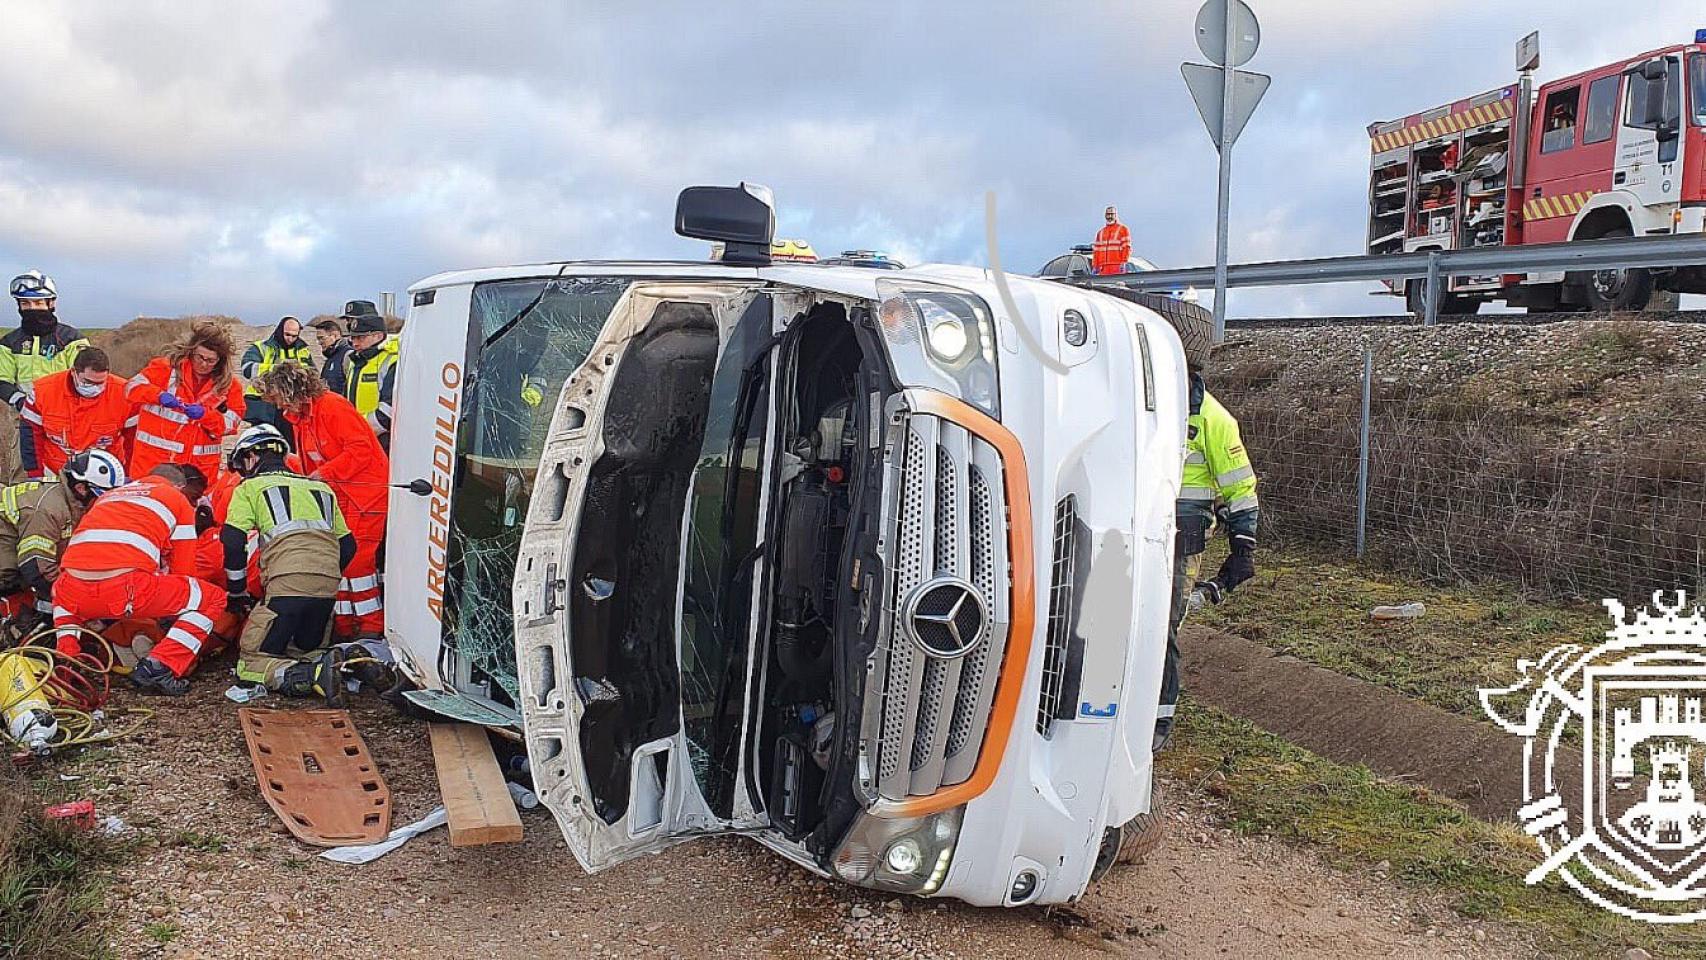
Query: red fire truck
x=1616, y=151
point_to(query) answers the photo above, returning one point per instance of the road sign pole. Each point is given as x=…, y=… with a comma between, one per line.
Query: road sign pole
x=1223, y=224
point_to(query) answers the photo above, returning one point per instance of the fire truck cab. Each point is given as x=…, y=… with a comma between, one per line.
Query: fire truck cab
x=1616, y=151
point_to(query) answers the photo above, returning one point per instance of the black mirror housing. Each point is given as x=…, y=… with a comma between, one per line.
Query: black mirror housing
x=1653, y=71
x=742, y=218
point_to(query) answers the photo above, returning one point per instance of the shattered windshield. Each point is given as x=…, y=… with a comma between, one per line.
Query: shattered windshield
x=717, y=586
x=525, y=338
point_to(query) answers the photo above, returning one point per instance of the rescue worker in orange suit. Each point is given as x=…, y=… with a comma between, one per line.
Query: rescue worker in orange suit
x=189, y=401
x=1113, y=245
x=337, y=446
x=84, y=408
x=133, y=555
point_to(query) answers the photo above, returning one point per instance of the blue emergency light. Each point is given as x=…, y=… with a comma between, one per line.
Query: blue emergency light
x=1700, y=36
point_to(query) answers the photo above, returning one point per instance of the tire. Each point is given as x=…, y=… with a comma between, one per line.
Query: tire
x=1193, y=322
x=1143, y=834
x=1450, y=304
x=1617, y=291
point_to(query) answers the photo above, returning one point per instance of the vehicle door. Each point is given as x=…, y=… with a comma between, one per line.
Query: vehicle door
x=1650, y=142
x=608, y=710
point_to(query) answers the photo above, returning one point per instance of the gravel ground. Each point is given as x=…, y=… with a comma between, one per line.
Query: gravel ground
x=213, y=874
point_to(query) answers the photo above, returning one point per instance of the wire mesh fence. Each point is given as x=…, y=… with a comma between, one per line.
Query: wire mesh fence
x=1459, y=489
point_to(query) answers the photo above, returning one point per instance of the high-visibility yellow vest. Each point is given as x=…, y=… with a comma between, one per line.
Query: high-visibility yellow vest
x=363, y=380
x=1217, y=467
x=271, y=356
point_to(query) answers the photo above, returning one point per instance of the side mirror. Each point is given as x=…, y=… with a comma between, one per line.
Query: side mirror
x=742, y=218
x=1653, y=71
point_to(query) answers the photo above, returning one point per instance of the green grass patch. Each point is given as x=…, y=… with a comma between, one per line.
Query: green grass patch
x=52, y=886
x=1317, y=607
x=161, y=932
x=1269, y=787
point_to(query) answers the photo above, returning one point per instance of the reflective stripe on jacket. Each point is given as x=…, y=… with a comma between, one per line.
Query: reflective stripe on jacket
x=47, y=517
x=1217, y=468
x=25, y=358
x=263, y=355
x=67, y=423
x=1112, y=249
x=276, y=505
x=369, y=384
x=167, y=436
x=147, y=525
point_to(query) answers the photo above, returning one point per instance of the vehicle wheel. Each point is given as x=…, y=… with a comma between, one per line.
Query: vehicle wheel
x=1450, y=304
x=1141, y=836
x=1618, y=291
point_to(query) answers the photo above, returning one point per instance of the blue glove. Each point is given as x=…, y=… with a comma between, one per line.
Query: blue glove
x=171, y=402
x=194, y=411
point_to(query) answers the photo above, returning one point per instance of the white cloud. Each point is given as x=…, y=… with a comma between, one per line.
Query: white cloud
x=277, y=155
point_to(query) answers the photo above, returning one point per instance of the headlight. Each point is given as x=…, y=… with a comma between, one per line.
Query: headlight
x=941, y=338
x=907, y=856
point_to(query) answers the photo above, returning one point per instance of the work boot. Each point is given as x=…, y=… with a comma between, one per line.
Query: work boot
x=373, y=673
x=152, y=676
x=316, y=678
x=1163, y=733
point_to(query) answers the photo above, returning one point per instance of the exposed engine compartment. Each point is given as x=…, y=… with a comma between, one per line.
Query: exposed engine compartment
x=824, y=468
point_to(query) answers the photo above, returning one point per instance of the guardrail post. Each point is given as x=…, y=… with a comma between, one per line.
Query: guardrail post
x=1362, y=450
x=1431, y=294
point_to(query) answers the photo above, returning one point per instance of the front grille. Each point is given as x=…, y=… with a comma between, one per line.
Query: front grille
x=945, y=516
x=1059, y=612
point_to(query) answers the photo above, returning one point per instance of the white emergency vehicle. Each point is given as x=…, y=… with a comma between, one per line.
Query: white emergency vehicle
x=872, y=566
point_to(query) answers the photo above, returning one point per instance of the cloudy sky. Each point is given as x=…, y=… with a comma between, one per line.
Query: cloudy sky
x=177, y=156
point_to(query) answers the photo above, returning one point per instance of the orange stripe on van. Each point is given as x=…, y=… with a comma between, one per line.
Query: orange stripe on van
x=1010, y=689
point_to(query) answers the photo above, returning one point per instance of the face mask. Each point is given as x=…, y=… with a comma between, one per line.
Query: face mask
x=88, y=391
x=38, y=319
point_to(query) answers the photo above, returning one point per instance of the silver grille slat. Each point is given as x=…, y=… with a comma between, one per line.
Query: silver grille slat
x=1060, y=600
x=949, y=519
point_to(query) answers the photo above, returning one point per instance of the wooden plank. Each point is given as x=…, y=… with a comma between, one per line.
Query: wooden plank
x=476, y=802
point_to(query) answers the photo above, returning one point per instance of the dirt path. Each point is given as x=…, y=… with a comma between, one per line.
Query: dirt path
x=214, y=875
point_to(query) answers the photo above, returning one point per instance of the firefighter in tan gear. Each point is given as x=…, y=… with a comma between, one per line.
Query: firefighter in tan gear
x=1218, y=488
x=304, y=545
x=36, y=523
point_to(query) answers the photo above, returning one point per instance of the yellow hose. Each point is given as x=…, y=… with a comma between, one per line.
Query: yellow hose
x=77, y=727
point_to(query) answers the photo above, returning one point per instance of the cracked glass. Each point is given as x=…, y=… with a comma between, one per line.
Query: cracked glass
x=525, y=338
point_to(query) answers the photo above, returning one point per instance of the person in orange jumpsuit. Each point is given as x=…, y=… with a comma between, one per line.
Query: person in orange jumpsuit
x=133, y=555
x=189, y=400
x=336, y=445
x=1113, y=245
x=83, y=408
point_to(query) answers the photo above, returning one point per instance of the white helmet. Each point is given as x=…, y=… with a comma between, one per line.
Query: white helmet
x=261, y=436
x=34, y=285
x=99, y=469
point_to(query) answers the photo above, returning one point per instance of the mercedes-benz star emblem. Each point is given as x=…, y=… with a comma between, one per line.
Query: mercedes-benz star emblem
x=947, y=617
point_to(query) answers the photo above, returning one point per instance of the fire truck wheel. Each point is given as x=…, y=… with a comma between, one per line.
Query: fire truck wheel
x=1608, y=291
x=1450, y=304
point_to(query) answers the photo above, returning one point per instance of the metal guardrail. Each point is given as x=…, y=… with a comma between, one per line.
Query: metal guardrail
x=1669, y=250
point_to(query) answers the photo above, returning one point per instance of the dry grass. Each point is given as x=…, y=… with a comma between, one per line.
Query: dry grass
x=51, y=889
x=1571, y=464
